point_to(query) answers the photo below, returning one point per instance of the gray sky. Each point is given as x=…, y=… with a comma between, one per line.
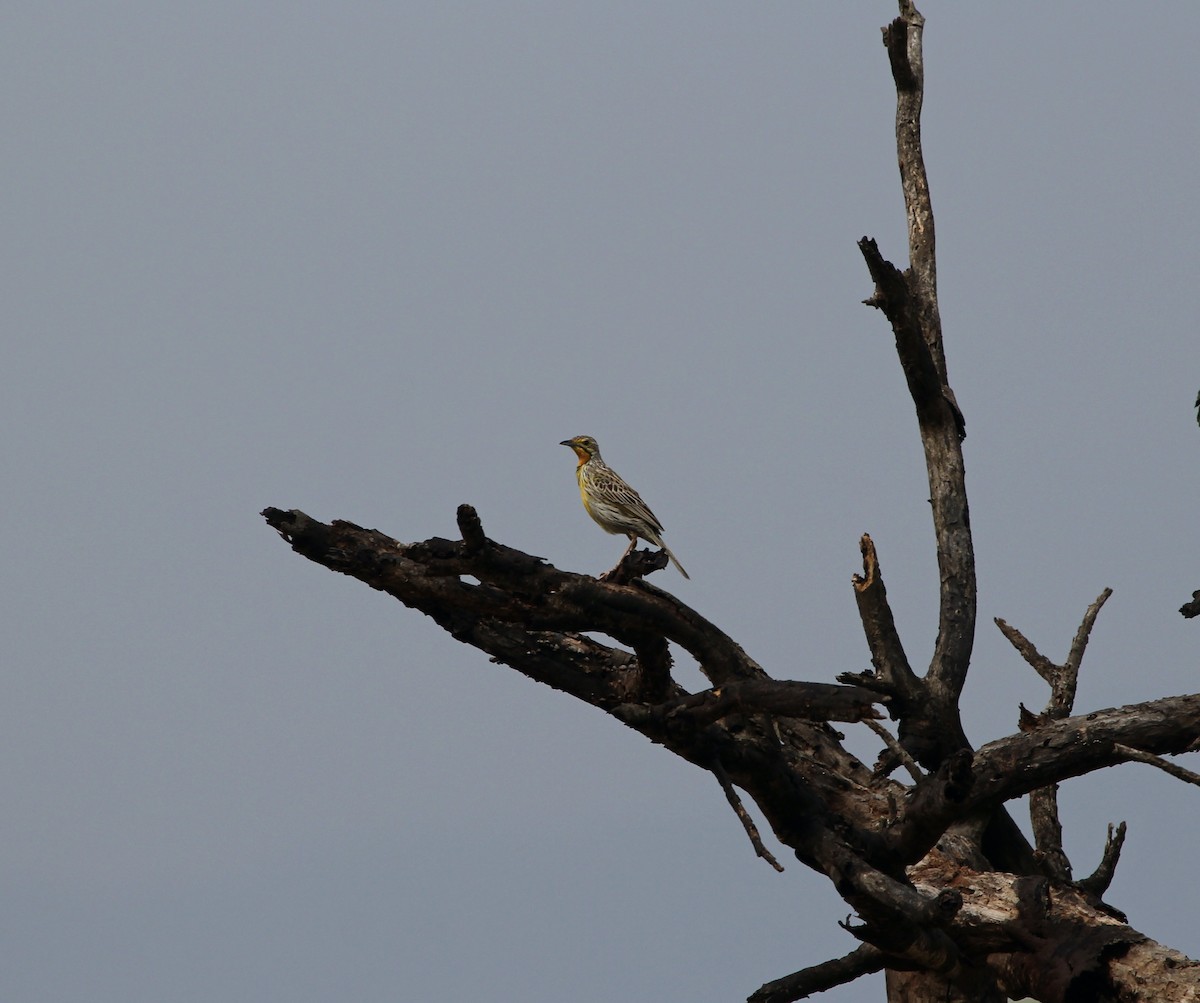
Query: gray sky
x=375, y=260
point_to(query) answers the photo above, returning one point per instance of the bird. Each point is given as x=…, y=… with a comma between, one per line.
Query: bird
x=612, y=503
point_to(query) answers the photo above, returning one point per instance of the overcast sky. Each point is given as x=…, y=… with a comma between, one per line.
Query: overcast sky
x=375, y=260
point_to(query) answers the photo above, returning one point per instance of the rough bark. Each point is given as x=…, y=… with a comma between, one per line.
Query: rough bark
x=950, y=899
x=910, y=860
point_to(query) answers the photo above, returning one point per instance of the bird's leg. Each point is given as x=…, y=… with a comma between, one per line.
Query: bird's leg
x=628, y=550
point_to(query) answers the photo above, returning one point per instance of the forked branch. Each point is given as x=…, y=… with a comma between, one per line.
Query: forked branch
x=1063, y=680
x=909, y=300
x=942, y=882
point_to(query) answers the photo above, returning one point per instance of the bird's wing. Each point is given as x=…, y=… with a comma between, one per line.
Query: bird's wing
x=630, y=500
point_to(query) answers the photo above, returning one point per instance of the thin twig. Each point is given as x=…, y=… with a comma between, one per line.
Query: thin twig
x=1026, y=649
x=1178, y=772
x=739, y=810
x=896, y=748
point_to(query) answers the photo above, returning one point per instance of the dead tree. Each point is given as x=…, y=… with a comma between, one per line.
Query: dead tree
x=950, y=898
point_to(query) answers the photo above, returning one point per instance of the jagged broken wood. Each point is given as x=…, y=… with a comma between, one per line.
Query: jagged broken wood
x=950, y=898
x=833, y=812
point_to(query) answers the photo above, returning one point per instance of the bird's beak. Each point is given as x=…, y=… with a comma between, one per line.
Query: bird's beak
x=566, y=442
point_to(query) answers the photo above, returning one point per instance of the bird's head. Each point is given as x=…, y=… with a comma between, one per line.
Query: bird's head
x=584, y=445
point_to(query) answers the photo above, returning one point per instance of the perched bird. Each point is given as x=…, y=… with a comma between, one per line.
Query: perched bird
x=613, y=503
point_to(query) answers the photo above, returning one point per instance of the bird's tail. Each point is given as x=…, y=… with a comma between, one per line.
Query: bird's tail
x=674, y=560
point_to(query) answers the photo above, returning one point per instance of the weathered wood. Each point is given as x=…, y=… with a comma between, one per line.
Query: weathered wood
x=948, y=896
x=800, y=985
x=858, y=829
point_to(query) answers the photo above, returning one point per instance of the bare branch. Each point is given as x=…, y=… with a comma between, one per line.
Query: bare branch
x=1016, y=765
x=800, y=985
x=944, y=886
x=1013, y=766
x=909, y=300
x=893, y=672
x=817, y=798
x=785, y=698
x=1138, y=756
x=1063, y=680
x=739, y=810
x=531, y=616
x=1048, y=833
x=1027, y=650
x=1098, y=881
x=928, y=732
x=903, y=40
x=897, y=750
x=520, y=591
x=1080, y=641
x=635, y=564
